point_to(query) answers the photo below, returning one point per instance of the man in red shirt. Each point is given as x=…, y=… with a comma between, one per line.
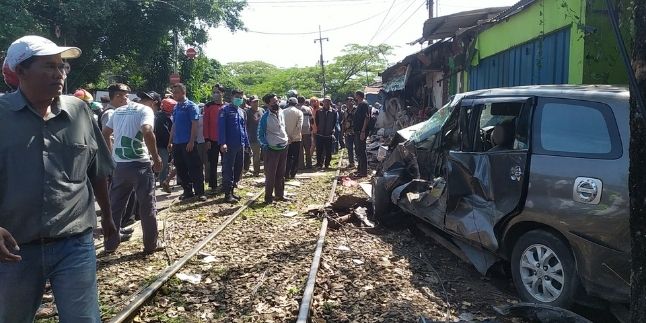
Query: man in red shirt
x=211, y=116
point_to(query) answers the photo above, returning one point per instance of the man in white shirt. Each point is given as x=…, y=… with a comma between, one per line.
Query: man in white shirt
x=134, y=145
x=294, y=128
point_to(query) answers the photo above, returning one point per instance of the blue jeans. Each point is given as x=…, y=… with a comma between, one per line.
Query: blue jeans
x=70, y=266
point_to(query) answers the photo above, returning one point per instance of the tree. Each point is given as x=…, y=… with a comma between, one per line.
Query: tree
x=357, y=67
x=637, y=177
x=136, y=36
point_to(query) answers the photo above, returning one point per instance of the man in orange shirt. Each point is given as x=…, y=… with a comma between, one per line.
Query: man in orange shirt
x=211, y=116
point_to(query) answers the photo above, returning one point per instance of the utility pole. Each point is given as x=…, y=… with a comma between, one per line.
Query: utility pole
x=175, y=45
x=637, y=172
x=430, y=4
x=320, y=40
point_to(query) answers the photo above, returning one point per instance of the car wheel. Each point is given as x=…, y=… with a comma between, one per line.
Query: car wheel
x=543, y=269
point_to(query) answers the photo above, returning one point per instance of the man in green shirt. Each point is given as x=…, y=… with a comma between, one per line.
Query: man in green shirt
x=53, y=160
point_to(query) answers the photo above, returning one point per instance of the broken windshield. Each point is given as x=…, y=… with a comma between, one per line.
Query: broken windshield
x=433, y=125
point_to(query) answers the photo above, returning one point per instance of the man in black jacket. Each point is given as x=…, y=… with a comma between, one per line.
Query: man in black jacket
x=326, y=120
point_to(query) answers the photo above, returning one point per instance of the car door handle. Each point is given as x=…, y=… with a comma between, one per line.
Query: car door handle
x=587, y=190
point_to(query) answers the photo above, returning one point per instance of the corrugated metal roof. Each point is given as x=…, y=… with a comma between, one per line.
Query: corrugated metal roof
x=446, y=26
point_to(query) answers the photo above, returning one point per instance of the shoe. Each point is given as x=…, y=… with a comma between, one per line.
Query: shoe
x=230, y=199
x=124, y=237
x=351, y=166
x=186, y=196
x=201, y=198
x=269, y=201
x=283, y=199
x=160, y=246
x=166, y=187
x=128, y=230
x=236, y=196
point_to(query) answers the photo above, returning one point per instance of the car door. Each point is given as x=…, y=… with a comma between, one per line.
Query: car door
x=484, y=186
x=579, y=184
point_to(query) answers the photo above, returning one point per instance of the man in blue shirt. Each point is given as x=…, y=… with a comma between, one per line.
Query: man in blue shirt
x=183, y=135
x=233, y=139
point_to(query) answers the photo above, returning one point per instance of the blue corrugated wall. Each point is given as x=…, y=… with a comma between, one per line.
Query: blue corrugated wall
x=524, y=64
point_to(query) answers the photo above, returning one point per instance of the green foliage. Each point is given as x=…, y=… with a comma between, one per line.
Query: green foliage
x=129, y=41
x=357, y=67
x=347, y=73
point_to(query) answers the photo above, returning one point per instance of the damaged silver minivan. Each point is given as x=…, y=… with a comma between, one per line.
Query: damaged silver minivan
x=536, y=176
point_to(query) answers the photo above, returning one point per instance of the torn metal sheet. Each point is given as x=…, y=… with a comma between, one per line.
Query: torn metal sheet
x=475, y=205
x=422, y=198
x=480, y=259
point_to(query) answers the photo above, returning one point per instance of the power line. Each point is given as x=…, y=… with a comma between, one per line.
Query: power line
x=395, y=18
x=314, y=32
x=404, y=22
x=382, y=22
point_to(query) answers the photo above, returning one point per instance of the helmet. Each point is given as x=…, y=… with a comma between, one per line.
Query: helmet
x=292, y=93
x=167, y=105
x=10, y=77
x=84, y=95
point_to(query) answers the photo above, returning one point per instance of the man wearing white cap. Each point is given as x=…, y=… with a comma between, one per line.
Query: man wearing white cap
x=54, y=160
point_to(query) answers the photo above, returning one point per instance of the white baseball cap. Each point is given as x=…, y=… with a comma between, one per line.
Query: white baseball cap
x=28, y=46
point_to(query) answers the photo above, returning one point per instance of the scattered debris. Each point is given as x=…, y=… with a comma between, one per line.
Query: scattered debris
x=362, y=215
x=208, y=259
x=290, y=214
x=250, y=194
x=366, y=188
x=540, y=313
x=358, y=261
x=343, y=248
x=347, y=181
x=190, y=278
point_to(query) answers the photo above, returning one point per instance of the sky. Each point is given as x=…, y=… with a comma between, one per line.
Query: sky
x=282, y=32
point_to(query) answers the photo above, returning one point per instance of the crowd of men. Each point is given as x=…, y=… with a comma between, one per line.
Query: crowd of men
x=61, y=153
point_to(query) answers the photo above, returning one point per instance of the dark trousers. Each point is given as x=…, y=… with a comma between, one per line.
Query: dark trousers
x=255, y=155
x=292, y=159
x=323, y=150
x=362, y=155
x=132, y=210
x=275, y=162
x=132, y=207
x=189, y=169
x=213, y=155
x=135, y=177
x=349, y=142
x=231, y=165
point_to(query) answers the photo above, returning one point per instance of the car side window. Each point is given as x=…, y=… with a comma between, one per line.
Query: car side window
x=576, y=128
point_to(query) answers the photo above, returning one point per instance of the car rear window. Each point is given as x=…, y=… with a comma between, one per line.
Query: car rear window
x=576, y=128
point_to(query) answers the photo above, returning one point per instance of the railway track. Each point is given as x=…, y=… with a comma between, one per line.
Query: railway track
x=135, y=302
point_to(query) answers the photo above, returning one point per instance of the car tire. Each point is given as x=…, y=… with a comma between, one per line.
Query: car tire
x=543, y=269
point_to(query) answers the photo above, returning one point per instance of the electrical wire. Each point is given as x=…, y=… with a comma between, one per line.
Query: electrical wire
x=314, y=32
x=404, y=22
x=382, y=23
